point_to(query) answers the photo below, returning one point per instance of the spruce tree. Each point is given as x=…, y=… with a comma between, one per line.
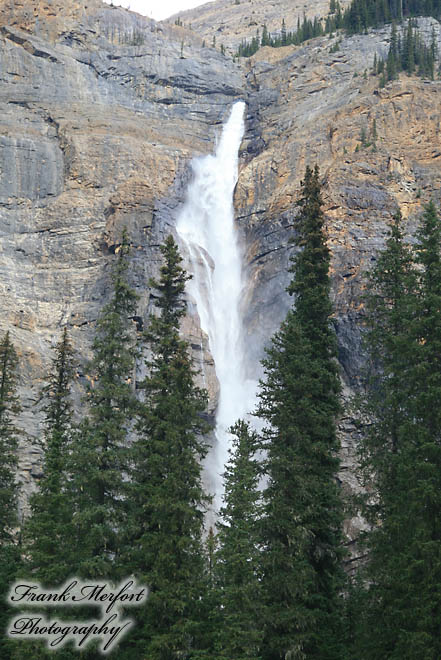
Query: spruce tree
x=283, y=33
x=166, y=496
x=9, y=408
x=390, y=314
x=390, y=306
x=403, y=451
x=48, y=532
x=9, y=552
x=99, y=460
x=299, y=401
x=392, y=63
x=421, y=619
x=238, y=556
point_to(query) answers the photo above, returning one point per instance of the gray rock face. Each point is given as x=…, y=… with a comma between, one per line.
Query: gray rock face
x=33, y=168
x=95, y=135
x=231, y=21
x=101, y=111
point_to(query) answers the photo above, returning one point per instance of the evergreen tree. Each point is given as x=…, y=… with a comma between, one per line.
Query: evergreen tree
x=166, y=496
x=390, y=311
x=48, y=532
x=392, y=65
x=374, y=13
x=299, y=400
x=408, y=61
x=9, y=408
x=9, y=553
x=237, y=559
x=402, y=451
x=266, y=38
x=284, y=35
x=99, y=460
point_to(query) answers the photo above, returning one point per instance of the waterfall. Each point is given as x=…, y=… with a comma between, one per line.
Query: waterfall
x=207, y=229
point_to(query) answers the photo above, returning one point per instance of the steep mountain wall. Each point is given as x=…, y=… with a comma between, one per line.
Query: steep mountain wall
x=101, y=112
x=231, y=21
x=95, y=134
x=308, y=105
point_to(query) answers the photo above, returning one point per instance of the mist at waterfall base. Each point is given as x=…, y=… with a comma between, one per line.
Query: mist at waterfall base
x=207, y=229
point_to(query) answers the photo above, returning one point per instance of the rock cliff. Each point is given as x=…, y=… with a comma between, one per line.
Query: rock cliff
x=101, y=112
x=231, y=21
x=100, y=115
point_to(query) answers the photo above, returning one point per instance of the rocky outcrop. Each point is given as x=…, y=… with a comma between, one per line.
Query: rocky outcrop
x=101, y=111
x=96, y=133
x=377, y=149
x=231, y=21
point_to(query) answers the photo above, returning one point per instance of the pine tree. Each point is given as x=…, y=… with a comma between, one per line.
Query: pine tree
x=99, y=460
x=283, y=34
x=9, y=408
x=265, y=37
x=166, y=496
x=299, y=401
x=408, y=61
x=237, y=559
x=392, y=64
x=49, y=530
x=390, y=310
x=420, y=624
x=402, y=451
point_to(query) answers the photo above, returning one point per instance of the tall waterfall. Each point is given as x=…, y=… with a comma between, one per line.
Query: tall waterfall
x=207, y=228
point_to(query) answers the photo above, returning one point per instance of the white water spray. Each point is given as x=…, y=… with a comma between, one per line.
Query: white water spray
x=206, y=227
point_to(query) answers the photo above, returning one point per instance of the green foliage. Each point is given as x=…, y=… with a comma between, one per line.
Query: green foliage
x=99, y=457
x=299, y=400
x=362, y=14
x=305, y=30
x=9, y=408
x=238, y=557
x=407, y=52
x=165, y=496
x=49, y=531
x=357, y=18
x=401, y=453
x=363, y=137
x=284, y=34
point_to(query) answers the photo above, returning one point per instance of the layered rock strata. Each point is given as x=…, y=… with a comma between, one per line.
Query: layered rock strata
x=101, y=112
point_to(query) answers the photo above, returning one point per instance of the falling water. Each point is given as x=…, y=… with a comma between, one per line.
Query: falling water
x=207, y=228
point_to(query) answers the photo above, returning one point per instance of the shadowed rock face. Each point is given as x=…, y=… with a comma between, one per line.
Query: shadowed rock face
x=101, y=111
